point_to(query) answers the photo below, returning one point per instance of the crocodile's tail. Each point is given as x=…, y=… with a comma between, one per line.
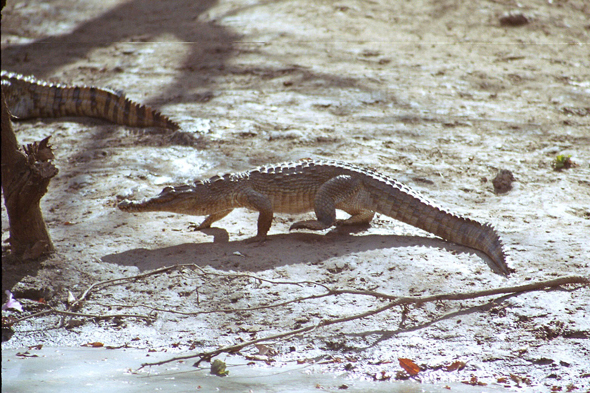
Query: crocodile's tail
x=408, y=206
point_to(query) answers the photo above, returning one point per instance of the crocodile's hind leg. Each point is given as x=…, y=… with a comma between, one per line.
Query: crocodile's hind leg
x=336, y=191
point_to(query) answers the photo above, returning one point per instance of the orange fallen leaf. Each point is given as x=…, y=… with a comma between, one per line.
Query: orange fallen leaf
x=93, y=344
x=456, y=365
x=474, y=382
x=408, y=365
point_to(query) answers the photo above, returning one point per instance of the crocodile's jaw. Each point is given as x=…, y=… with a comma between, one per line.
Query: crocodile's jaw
x=170, y=200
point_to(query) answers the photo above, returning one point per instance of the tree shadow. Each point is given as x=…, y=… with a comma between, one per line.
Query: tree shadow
x=133, y=21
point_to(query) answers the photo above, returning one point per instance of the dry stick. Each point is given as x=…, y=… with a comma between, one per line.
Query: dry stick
x=395, y=302
x=52, y=310
x=98, y=316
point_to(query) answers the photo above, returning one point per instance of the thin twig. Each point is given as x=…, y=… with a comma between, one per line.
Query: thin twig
x=221, y=310
x=121, y=280
x=52, y=310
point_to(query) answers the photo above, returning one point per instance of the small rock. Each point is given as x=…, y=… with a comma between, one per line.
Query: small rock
x=514, y=18
x=503, y=181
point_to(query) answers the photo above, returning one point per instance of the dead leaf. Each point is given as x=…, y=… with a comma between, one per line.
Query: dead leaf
x=260, y=358
x=95, y=344
x=408, y=365
x=474, y=382
x=26, y=355
x=385, y=376
x=265, y=350
x=456, y=365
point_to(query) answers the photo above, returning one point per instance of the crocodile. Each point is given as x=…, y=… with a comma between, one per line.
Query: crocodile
x=28, y=97
x=322, y=186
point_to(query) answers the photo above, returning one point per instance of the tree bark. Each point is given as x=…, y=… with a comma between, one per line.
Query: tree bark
x=25, y=178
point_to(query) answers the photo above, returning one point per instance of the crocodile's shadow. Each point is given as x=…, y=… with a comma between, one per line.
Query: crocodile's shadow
x=276, y=250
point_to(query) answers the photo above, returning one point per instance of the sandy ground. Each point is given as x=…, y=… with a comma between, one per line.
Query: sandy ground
x=438, y=94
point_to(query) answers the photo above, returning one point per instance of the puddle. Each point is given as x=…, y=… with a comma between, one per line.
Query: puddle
x=102, y=370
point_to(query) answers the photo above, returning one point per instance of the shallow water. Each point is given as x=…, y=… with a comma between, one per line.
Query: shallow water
x=103, y=370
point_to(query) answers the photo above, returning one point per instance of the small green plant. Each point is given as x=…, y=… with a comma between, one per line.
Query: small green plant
x=563, y=161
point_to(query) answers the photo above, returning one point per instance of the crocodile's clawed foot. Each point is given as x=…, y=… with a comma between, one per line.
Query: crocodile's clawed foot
x=314, y=225
x=197, y=227
x=348, y=228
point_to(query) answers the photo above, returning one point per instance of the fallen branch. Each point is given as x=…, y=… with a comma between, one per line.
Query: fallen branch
x=394, y=301
x=469, y=295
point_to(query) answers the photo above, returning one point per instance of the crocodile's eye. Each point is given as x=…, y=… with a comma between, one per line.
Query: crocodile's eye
x=167, y=190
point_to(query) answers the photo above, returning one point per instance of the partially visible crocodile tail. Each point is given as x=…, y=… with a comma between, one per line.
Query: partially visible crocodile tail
x=28, y=98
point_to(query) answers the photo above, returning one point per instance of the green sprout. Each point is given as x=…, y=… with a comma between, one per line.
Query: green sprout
x=218, y=368
x=562, y=161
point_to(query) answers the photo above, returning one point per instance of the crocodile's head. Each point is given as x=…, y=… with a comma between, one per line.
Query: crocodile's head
x=195, y=199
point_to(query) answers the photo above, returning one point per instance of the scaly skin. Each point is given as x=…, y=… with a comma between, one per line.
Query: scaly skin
x=29, y=98
x=322, y=186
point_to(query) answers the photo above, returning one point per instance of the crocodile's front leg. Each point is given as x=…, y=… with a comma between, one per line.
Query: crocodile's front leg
x=256, y=201
x=332, y=193
x=212, y=218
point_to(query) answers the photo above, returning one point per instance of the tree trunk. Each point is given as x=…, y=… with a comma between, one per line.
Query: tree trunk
x=25, y=178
